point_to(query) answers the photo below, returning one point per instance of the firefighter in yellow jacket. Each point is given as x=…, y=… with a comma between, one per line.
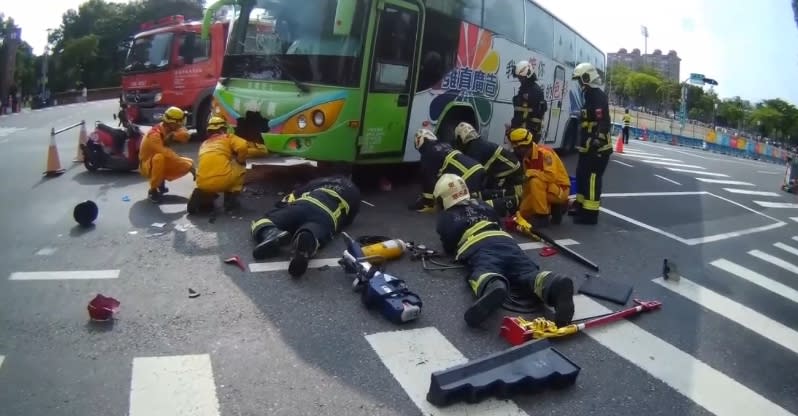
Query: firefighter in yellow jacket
x=157, y=161
x=221, y=168
x=547, y=185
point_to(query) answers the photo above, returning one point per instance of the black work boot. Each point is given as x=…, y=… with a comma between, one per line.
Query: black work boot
x=557, y=292
x=586, y=217
x=557, y=212
x=304, y=247
x=491, y=300
x=231, y=201
x=163, y=189
x=539, y=221
x=270, y=239
x=200, y=202
x=574, y=209
x=155, y=196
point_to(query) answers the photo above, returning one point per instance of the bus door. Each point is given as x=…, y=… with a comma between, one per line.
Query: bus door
x=555, y=110
x=390, y=83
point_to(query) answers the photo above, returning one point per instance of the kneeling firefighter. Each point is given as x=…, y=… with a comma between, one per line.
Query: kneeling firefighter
x=504, y=174
x=309, y=217
x=157, y=161
x=438, y=158
x=470, y=230
x=220, y=168
x=547, y=182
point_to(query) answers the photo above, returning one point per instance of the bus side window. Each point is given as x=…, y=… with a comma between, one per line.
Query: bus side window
x=394, y=49
x=439, y=48
x=505, y=17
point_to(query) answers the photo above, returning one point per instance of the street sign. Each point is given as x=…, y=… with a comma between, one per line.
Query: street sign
x=696, y=79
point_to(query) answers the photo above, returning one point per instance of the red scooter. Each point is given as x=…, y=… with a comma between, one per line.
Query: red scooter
x=112, y=148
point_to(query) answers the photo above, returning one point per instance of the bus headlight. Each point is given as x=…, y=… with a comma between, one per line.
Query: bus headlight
x=318, y=118
x=301, y=122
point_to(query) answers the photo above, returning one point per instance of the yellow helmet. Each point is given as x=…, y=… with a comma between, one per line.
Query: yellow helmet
x=449, y=190
x=465, y=132
x=521, y=137
x=174, y=115
x=216, y=123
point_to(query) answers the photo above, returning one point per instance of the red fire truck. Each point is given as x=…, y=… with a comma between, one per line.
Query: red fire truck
x=169, y=64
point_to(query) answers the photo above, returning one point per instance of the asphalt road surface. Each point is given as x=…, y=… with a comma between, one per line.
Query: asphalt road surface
x=257, y=342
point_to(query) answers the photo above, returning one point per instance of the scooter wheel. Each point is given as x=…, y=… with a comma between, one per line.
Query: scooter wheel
x=90, y=164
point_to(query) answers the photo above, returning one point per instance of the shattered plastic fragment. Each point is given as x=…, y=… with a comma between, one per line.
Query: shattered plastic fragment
x=126, y=198
x=192, y=293
x=102, y=308
x=235, y=260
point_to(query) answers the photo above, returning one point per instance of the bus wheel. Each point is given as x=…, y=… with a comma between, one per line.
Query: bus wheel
x=201, y=118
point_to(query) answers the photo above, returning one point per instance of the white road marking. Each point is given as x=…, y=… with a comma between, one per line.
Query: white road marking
x=7, y=131
x=669, y=180
x=749, y=192
x=658, y=162
x=46, y=251
x=622, y=163
x=276, y=266
x=794, y=219
x=729, y=309
x=625, y=194
x=785, y=247
x=767, y=172
x=698, y=172
x=650, y=157
x=413, y=355
x=757, y=279
x=724, y=182
x=640, y=152
x=774, y=260
x=2, y=358
x=707, y=387
x=66, y=275
x=180, y=385
x=768, y=204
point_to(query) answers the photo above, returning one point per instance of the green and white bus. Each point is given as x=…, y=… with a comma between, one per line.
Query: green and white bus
x=352, y=80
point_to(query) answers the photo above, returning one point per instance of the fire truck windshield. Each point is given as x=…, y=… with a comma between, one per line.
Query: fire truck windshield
x=149, y=53
x=298, y=40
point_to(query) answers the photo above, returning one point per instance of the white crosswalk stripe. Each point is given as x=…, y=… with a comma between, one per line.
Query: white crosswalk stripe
x=774, y=260
x=724, y=182
x=698, y=172
x=681, y=165
x=6, y=131
x=769, y=204
x=750, y=192
x=757, y=279
x=650, y=157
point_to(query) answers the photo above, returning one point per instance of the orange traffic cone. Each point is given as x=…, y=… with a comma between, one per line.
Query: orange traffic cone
x=81, y=141
x=53, y=160
x=645, y=134
x=619, y=144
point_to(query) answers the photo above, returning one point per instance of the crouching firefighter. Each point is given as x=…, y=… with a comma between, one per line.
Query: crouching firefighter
x=547, y=186
x=221, y=168
x=308, y=218
x=159, y=163
x=470, y=229
x=504, y=174
x=438, y=158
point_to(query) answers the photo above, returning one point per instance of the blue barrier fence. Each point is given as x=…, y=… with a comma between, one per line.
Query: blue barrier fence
x=722, y=144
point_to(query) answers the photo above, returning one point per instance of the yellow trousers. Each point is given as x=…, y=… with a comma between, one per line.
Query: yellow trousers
x=540, y=196
x=231, y=181
x=164, y=167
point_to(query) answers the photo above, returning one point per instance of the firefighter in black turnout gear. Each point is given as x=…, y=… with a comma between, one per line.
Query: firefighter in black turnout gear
x=470, y=230
x=529, y=104
x=438, y=158
x=595, y=146
x=504, y=180
x=309, y=217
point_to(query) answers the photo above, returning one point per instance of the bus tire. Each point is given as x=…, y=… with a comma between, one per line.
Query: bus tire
x=452, y=118
x=570, y=137
x=201, y=118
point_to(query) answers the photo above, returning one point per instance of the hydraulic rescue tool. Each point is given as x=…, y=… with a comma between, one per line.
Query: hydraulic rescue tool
x=517, y=330
x=519, y=224
x=378, y=289
x=427, y=255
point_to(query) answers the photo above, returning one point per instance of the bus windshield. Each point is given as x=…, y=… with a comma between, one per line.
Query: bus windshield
x=149, y=53
x=295, y=40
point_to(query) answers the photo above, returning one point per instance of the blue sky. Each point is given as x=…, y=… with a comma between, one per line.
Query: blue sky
x=749, y=47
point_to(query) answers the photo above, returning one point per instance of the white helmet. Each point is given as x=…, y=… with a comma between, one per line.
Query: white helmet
x=587, y=74
x=465, y=132
x=449, y=190
x=422, y=135
x=523, y=69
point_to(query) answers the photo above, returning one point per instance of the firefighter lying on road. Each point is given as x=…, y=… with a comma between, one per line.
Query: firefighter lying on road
x=220, y=168
x=308, y=217
x=504, y=174
x=438, y=158
x=547, y=182
x=470, y=230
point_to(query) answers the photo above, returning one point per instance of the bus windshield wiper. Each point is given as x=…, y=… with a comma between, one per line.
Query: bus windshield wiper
x=299, y=84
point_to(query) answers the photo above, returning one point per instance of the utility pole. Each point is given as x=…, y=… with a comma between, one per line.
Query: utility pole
x=644, y=32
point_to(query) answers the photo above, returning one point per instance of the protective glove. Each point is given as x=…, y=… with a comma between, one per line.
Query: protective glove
x=422, y=205
x=518, y=224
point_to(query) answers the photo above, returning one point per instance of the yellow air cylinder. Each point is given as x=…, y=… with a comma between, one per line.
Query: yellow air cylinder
x=387, y=250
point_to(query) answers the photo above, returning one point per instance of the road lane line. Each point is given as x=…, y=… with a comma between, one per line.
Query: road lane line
x=66, y=275
x=698, y=172
x=666, y=179
x=694, y=379
x=621, y=194
x=412, y=355
x=769, y=172
x=757, y=279
x=650, y=157
x=639, y=152
x=2, y=358
x=180, y=385
x=276, y=266
x=622, y=163
x=774, y=260
x=749, y=192
x=682, y=165
x=768, y=204
x=794, y=219
x=785, y=247
x=729, y=309
x=724, y=182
